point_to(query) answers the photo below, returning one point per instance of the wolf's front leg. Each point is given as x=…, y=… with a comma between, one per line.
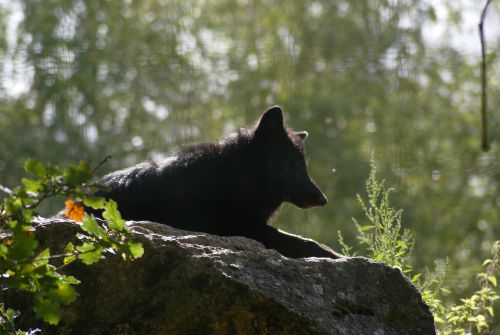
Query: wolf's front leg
x=293, y=246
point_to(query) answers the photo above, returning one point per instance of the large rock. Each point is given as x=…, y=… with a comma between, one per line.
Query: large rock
x=195, y=283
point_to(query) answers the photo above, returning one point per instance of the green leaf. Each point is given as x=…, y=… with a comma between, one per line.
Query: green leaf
x=482, y=275
x=32, y=185
x=42, y=258
x=35, y=167
x=76, y=175
x=416, y=277
x=47, y=309
x=366, y=227
x=69, y=259
x=487, y=262
x=26, y=269
x=115, y=221
x=402, y=244
x=493, y=280
x=14, y=207
x=7, y=316
x=136, y=249
x=91, y=226
x=64, y=293
x=69, y=249
x=70, y=279
x=24, y=245
x=438, y=319
x=89, y=253
x=490, y=310
x=94, y=202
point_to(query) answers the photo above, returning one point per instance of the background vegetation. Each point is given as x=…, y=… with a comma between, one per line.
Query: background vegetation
x=135, y=79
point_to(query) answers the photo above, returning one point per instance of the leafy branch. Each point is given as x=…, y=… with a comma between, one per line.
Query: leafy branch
x=24, y=267
x=473, y=314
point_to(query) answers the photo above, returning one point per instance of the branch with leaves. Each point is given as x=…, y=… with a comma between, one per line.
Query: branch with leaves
x=24, y=267
x=473, y=314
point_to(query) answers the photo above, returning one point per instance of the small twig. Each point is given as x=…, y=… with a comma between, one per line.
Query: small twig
x=74, y=253
x=108, y=157
x=484, y=85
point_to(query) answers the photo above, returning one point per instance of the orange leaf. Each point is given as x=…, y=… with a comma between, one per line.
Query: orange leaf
x=74, y=210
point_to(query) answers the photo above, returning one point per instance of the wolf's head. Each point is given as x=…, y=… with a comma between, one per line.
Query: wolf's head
x=286, y=169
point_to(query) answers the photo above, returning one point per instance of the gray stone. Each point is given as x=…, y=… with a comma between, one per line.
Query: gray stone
x=196, y=283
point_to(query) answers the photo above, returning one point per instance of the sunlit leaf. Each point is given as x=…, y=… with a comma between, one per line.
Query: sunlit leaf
x=402, y=244
x=91, y=226
x=42, y=258
x=69, y=259
x=416, y=277
x=47, y=309
x=32, y=185
x=69, y=249
x=64, y=293
x=35, y=167
x=89, y=253
x=487, y=262
x=26, y=269
x=71, y=280
x=492, y=280
x=94, y=202
x=115, y=221
x=136, y=249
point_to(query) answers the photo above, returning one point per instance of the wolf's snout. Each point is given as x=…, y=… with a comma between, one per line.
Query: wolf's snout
x=309, y=196
x=316, y=197
x=323, y=200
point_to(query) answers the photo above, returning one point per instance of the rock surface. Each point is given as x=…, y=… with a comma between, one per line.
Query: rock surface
x=195, y=283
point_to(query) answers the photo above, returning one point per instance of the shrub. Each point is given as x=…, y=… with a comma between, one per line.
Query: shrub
x=384, y=239
x=24, y=267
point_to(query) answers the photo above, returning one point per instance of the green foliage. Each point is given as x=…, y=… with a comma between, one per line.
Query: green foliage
x=24, y=267
x=386, y=241
x=383, y=236
x=431, y=287
x=7, y=326
x=473, y=315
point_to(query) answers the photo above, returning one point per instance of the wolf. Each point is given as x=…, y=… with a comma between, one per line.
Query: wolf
x=231, y=187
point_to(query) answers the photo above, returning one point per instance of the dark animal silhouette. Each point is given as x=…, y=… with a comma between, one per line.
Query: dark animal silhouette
x=230, y=187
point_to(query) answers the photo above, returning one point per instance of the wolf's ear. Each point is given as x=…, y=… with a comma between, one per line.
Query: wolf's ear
x=271, y=122
x=302, y=134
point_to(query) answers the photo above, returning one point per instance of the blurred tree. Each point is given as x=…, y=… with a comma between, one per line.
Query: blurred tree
x=137, y=78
